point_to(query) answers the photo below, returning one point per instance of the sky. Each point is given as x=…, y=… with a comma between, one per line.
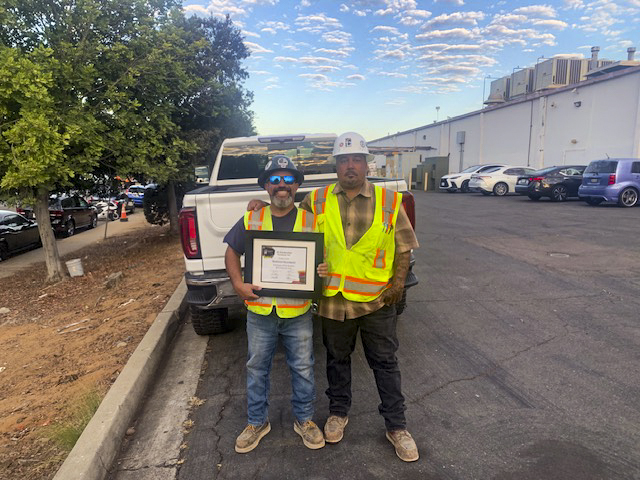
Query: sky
x=378, y=67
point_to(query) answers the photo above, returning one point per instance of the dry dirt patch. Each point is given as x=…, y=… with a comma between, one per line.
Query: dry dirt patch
x=61, y=342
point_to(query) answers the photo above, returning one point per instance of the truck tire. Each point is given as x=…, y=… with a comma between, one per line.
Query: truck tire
x=400, y=306
x=210, y=322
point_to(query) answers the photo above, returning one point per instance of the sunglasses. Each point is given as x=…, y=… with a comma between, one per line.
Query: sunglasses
x=288, y=179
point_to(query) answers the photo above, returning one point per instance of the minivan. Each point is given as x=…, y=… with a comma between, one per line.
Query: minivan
x=611, y=180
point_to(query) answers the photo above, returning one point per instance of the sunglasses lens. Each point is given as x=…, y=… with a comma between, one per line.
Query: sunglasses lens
x=288, y=179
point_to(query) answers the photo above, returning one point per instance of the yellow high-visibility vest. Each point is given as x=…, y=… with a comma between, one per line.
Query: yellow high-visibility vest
x=285, y=307
x=362, y=272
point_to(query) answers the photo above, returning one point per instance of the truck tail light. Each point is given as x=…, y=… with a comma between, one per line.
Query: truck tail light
x=409, y=204
x=56, y=213
x=535, y=179
x=189, y=233
x=612, y=179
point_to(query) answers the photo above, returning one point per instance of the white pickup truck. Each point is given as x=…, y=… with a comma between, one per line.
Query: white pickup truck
x=209, y=212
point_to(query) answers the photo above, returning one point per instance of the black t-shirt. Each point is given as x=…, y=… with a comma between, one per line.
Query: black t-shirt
x=236, y=236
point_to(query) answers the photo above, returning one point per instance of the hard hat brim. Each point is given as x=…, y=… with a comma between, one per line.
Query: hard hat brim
x=369, y=157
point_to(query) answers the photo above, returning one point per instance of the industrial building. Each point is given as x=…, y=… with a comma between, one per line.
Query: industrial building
x=564, y=110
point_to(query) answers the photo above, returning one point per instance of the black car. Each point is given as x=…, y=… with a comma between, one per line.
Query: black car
x=68, y=213
x=557, y=183
x=16, y=233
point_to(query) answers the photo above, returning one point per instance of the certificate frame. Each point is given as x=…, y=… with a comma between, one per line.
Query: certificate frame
x=307, y=286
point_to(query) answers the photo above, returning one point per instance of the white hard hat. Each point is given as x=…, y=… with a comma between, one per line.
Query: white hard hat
x=350, y=143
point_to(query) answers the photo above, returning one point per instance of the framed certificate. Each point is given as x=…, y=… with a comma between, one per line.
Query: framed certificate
x=284, y=263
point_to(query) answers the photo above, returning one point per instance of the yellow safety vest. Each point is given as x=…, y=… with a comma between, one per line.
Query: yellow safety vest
x=362, y=272
x=285, y=307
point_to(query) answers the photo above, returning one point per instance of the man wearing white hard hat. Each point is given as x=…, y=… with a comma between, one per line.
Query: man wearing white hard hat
x=368, y=240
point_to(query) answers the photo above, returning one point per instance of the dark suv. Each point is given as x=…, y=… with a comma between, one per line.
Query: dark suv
x=67, y=214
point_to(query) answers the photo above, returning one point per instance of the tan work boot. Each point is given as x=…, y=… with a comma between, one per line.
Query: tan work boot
x=250, y=437
x=310, y=433
x=334, y=428
x=406, y=448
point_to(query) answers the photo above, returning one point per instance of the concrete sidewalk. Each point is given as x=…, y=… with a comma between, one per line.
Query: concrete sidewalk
x=69, y=245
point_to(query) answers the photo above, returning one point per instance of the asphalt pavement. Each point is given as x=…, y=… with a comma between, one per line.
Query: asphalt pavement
x=519, y=351
x=80, y=239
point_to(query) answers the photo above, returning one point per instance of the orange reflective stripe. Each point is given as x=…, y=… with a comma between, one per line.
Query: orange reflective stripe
x=381, y=256
x=393, y=207
x=325, y=192
x=315, y=221
x=249, y=220
x=261, y=218
x=304, y=218
x=358, y=292
x=384, y=201
x=257, y=304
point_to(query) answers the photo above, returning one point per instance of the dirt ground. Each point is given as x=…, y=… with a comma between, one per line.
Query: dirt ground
x=61, y=342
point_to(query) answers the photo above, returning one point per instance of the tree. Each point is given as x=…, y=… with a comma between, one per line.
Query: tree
x=65, y=66
x=202, y=61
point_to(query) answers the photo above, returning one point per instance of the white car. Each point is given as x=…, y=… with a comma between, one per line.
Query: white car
x=460, y=181
x=498, y=180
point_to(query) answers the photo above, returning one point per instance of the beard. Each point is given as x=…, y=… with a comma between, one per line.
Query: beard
x=282, y=202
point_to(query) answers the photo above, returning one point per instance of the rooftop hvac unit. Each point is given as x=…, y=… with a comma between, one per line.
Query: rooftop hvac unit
x=559, y=72
x=499, y=92
x=521, y=82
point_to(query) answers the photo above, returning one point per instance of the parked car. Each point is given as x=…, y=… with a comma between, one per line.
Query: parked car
x=68, y=213
x=17, y=233
x=611, y=180
x=136, y=193
x=498, y=180
x=460, y=181
x=557, y=183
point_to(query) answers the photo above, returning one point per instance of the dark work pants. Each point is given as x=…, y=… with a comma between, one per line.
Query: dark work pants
x=380, y=343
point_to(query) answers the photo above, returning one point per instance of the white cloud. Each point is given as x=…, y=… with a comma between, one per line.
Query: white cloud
x=559, y=24
x=259, y=72
x=343, y=8
x=456, y=18
x=247, y=33
x=319, y=81
x=337, y=36
x=574, y=4
x=397, y=101
x=341, y=52
x=317, y=23
x=355, y=76
x=360, y=13
x=509, y=19
x=453, y=2
x=255, y=48
x=392, y=74
x=268, y=30
x=285, y=60
x=453, y=33
x=323, y=68
x=384, y=28
x=308, y=60
x=274, y=26
x=272, y=86
x=537, y=11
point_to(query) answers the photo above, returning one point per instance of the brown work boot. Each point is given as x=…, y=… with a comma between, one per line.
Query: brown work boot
x=310, y=433
x=334, y=428
x=405, y=446
x=250, y=437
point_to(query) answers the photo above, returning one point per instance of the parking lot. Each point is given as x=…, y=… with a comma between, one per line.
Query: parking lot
x=519, y=351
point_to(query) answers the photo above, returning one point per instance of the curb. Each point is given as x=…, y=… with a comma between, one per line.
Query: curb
x=99, y=444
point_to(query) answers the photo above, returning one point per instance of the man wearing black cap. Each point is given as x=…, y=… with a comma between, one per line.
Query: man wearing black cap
x=269, y=317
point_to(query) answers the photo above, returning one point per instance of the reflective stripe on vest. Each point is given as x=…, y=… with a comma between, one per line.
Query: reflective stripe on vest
x=362, y=272
x=285, y=307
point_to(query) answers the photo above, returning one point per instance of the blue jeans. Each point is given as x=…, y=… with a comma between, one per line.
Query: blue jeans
x=297, y=339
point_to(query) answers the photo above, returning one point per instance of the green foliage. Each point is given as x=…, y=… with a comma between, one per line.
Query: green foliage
x=67, y=433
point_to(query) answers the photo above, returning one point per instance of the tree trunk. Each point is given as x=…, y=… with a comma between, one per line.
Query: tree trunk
x=55, y=272
x=174, y=228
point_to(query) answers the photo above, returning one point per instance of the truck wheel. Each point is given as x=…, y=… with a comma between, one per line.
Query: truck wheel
x=400, y=306
x=210, y=322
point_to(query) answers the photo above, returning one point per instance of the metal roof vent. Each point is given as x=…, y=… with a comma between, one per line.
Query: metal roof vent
x=631, y=51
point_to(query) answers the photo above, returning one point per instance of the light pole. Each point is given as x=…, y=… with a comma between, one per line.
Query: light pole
x=484, y=83
x=437, y=112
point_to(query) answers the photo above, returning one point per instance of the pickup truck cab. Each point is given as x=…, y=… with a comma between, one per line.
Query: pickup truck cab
x=210, y=211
